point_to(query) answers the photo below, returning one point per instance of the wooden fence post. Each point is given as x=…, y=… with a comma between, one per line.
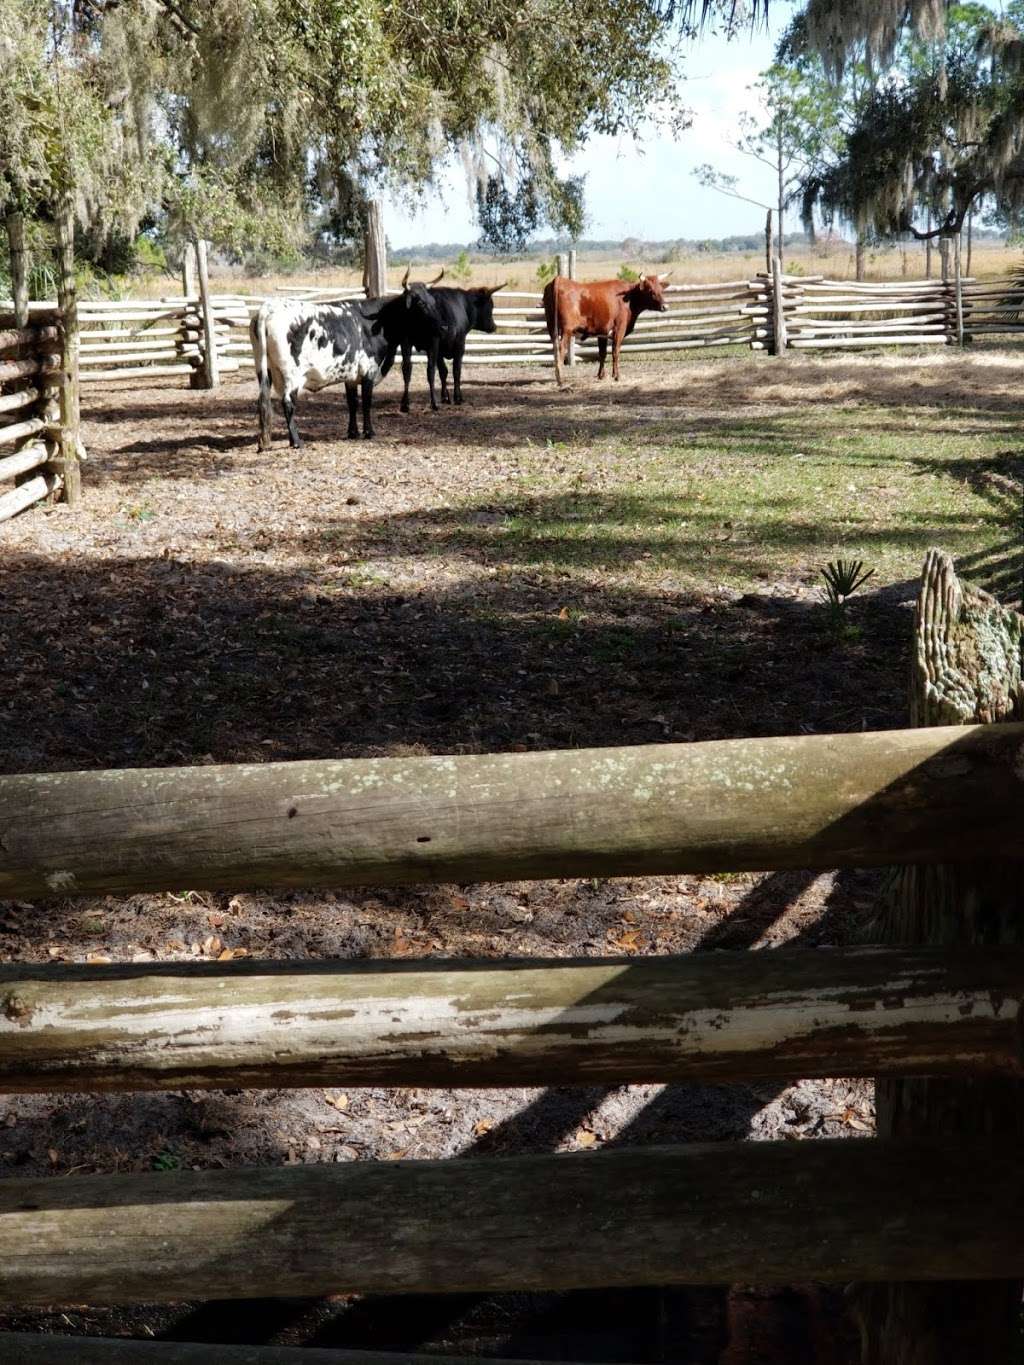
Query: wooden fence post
x=967, y=669
x=69, y=440
x=779, y=340
x=375, y=258
x=210, y=377
x=188, y=270
x=958, y=291
x=768, y=248
x=19, y=265
x=571, y=357
x=944, y=257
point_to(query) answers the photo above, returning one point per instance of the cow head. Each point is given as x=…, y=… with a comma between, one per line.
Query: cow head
x=649, y=293
x=485, y=307
x=417, y=296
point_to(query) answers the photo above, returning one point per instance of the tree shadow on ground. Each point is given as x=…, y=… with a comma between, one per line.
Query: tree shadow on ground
x=157, y=661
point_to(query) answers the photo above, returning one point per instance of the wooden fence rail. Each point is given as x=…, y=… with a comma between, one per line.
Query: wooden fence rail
x=711, y=1017
x=814, y=801
x=30, y=364
x=26, y=1348
x=756, y=1212
x=173, y=337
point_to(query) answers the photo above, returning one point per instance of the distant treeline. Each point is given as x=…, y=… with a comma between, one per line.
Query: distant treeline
x=630, y=248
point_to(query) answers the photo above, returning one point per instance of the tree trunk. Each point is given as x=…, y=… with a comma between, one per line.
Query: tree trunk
x=859, y=257
x=970, y=240
x=375, y=257
x=781, y=244
x=768, y=251
x=967, y=669
x=19, y=266
x=958, y=291
x=67, y=462
x=809, y=801
x=928, y=249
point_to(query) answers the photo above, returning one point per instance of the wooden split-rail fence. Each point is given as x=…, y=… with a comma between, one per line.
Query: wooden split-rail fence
x=915, y=1205
x=30, y=424
x=203, y=337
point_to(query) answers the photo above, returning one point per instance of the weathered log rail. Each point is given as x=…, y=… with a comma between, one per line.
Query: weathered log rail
x=30, y=364
x=929, y=1208
x=779, y=1015
x=814, y=801
x=26, y=1348
x=180, y=335
x=759, y=1212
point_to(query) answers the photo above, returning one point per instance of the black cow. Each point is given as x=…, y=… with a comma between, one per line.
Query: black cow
x=460, y=311
x=301, y=345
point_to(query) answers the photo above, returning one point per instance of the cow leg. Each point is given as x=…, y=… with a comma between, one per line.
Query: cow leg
x=352, y=396
x=457, y=371
x=288, y=403
x=368, y=409
x=602, y=355
x=563, y=348
x=406, y=375
x=431, y=374
x=617, y=336
x=442, y=370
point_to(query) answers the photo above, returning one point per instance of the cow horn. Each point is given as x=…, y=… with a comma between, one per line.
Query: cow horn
x=405, y=277
x=663, y=278
x=493, y=289
x=438, y=278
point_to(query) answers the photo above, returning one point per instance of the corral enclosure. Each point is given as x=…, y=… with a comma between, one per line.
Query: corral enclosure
x=614, y=564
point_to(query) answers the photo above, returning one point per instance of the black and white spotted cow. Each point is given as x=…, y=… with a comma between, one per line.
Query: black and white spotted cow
x=300, y=345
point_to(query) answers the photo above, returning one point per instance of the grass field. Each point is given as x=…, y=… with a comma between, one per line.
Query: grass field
x=835, y=261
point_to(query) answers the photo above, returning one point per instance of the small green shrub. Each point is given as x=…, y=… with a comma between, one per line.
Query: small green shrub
x=461, y=268
x=625, y=273
x=547, y=270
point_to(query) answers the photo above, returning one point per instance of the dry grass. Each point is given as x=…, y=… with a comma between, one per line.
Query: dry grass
x=836, y=262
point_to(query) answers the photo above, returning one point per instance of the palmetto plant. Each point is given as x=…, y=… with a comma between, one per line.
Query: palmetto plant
x=842, y=579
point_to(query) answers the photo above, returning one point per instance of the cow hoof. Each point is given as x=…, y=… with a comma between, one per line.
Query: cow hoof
x=352, y=436
x=403, y=407
x=458, y=401
x=368, y=435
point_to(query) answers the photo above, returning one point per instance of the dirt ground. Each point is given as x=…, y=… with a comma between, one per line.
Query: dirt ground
x=209, y=604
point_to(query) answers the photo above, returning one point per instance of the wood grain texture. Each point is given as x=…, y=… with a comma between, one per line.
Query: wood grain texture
x=755, y=804
x=722, y=1016
x=758, y=1212
x=26, y=1348
x=967, y=668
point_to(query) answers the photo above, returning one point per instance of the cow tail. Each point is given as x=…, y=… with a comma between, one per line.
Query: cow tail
x=258, y=332
x=551, y=317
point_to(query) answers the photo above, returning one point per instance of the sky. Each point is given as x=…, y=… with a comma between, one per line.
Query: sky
x=645, y=190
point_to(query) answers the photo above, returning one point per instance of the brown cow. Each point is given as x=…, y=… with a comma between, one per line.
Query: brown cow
x=608, y=308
